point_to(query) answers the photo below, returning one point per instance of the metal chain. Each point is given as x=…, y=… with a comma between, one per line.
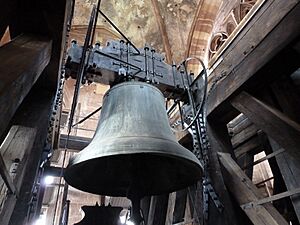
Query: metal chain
x=201, y=151
x=48, y=148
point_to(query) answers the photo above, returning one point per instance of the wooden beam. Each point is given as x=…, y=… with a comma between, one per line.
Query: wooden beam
x=75, y=142
x=250, y=146
x=263, y=159
x=244, y=135
x=239, y=127
x=6, y=178
x=220, y=142
x=272, y=198
x=288, y=100
x=180, y=204
x=158, y=210
x=171, y=208
x=36, y=106
x=245, y=191
x=290, y=171
x=195, y=200
x=17, y=144
x=22, y=62
x=274, y=123
x=163, y=31
x=254, y=47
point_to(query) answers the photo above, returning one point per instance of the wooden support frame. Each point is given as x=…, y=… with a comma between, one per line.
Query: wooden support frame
x=158, y=210
x=240, y=60
x=263, y=159
x=74, y=143
x=245, y=191
x=22, y=62
x=19, y=141
x=179, y=206
x=274, y=123
x=6, y=178
x=271, y=198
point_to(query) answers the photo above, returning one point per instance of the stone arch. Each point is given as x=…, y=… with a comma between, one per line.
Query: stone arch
x=201, y=30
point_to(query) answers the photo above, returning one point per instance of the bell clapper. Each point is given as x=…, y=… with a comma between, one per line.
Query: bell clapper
x=135, y=196
x=135, y=214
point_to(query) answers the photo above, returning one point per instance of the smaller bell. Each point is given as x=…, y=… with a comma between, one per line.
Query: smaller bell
x=100, y=215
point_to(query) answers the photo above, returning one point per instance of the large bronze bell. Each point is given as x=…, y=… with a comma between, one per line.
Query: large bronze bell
x=133, y=150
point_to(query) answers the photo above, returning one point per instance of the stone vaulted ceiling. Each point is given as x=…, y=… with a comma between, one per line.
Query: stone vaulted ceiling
x=143, y=21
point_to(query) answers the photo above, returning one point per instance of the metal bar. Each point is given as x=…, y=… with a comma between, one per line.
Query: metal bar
x=119, y=31
x=111, y=57
x=87, y=117
x=81, y=71
x=263, y=159
x=271, y=198
x=95, y=23
x=171, y=108
x=6, y=177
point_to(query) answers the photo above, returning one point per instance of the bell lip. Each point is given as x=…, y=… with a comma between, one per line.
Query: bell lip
x=127, y=149
x=190, y=167
x=73, y=169
x=134, y=83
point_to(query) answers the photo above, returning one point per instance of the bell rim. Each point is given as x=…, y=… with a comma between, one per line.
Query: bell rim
x=68, y=177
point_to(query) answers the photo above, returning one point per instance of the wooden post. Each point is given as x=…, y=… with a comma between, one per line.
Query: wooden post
x=36, y=107
x=171, y=208
x=218, y=144
x=289, y=102
x=245, y=191
x=180, y=204
x=158, y=210
x=17, y=144
x=196, y=202
x=145, y=206
x=290, y=171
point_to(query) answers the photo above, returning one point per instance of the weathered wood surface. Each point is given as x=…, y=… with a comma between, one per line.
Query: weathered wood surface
x=251, y=145
x=274, y=123
x=290, y=171
x=21, y=63
x=244, y=135
x=255, y=46
x=171, y=208
x=75, y=142
x=34, y=112
x=220, y=142
x=179, y=206
x=239, y=127
x=272, y=198
x=288, y=100
x=18, y=142
x=158, y=210
x=195, y=202
x=245, y=191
